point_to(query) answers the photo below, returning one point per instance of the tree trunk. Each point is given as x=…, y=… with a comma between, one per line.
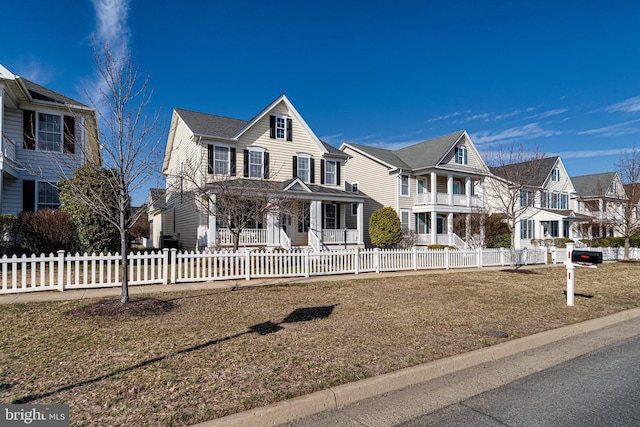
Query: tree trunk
x=626, y=247
x=124, y=268
x=236, y=239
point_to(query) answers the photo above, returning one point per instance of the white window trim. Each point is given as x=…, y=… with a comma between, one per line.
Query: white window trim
x=408, y=213
x=408, y=193
x=37, y=130
x=228, y=148
x=461, y=154
x=256, y=150
x=283, y=117
x=357, y=184
x=335, y=172
x=354, y=205
x=308, y=157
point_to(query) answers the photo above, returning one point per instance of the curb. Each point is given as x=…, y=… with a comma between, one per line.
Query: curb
x=347, y=394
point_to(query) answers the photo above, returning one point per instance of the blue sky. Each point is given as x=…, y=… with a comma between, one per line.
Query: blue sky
x=563, y=76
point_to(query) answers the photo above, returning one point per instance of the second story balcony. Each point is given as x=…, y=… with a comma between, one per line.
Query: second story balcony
x=445, y=199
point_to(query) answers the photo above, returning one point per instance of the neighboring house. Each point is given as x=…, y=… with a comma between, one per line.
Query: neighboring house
x=45, y=137
x=156, y=205
x=545, y=199
x=602, y=197
x=428, y=184
x=275, y=148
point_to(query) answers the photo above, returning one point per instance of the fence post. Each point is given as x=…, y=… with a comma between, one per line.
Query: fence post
x=61, y=270
x=376, y=259
x=306, y=264
x=247, y=264
x=173, y=265
x=480, y=260
x=414, y=258
x=502, y=257
x=356, y=261
x=165, y=266
x=447, y=261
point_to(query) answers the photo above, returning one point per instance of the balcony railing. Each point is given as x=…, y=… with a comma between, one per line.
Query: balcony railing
x=443, y=199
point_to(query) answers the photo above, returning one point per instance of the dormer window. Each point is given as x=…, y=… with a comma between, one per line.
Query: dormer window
x=280, y=127
x=461, y=155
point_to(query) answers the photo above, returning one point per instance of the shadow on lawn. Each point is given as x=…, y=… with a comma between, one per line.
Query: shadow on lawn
x=298, y=315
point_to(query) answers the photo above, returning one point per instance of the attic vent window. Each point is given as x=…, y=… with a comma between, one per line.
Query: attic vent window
x=280, y=127
x=461, y=155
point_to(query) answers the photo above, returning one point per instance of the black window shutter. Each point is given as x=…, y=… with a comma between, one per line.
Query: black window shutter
x=29, y=127
x=272, y=126
x=321, y=171
x=69, y=134
x=289, y=130
x=337, y=173
x=210, y=159
x=312, y=171
x=266, y=165
x=232, y=154
x=246, y=163
x=295, y=166
x=28, y=196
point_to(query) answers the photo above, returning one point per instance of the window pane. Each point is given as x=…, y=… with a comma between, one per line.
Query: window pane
x=280, y=127
x=255, y=164
x=404, y=187
x=49, y=132
x=330, y=172
x=48, y=196
x=221, y=160
x=303, y=168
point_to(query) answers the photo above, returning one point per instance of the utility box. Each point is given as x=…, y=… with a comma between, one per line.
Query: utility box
x=588, y=257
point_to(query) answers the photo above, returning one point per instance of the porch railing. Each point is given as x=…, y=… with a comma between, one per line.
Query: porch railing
x=443, y=199
x=285, y=241
x=331, y=236
x=248, y=237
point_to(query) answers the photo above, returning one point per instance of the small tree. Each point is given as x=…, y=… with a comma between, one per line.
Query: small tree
x=95, y=232
x=385, y=228
x=8, y=230
x=47, y=231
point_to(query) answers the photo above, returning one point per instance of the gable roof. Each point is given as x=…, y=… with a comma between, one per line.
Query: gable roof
x=593, y=185
x=41, y=93
x=422, y=155
x=203, y=124
x=538, y=170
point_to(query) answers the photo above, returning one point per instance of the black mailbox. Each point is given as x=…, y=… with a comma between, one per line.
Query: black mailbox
x=590, y=257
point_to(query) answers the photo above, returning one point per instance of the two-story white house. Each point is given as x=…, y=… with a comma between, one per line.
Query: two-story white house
x=274, y=149
x=45, y=137
x=428, y=184
x=602, y=197
x=544, y=202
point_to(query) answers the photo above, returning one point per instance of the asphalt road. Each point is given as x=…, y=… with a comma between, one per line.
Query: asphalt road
x=601, y=388
x=589, y=379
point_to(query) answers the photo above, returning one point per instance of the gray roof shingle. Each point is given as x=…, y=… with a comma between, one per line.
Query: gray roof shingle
x=537, y=170
x=41, y=93
x=593, y=185
x=211, y=125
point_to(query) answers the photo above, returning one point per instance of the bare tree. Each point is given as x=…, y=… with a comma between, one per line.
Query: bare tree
x=237, y=203
x=628, y=168
x=512, y=188
x=129, y=139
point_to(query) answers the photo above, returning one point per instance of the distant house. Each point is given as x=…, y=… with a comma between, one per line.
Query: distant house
x=428, y=184
x=602, y=197
x=45, y=137
x=275, y=149
x=547, y=201
x=156, y=205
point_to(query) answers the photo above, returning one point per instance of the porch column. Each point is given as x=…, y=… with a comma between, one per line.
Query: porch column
x=315, y=218
x=434, y=187
x=601, y=213
x=213, y=233
x=467, y=190
x=450, y=188
x=360, y=223
x=482, y=199
x=434, y=227
x=273, y=228
x=450, y=227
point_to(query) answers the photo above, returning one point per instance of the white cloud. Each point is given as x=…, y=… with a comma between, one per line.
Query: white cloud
x=630, y=105
x=587, y=154
x=551, y=113
x=618, y=129
x=445, y=117
x=529, y=131
x=111, y=24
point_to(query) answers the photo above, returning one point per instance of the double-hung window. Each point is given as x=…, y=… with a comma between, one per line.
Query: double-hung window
x=49, y=132
x=304, y=168
x=404, y=220
x=330, y=215
x=256, y=163
x=422, y=223
x=281, y=127
x=404, y=185
x=461, y=155
x=330, y=168
x=527, y=229
x=526, y=198
x=555, y=174
x=221, y=160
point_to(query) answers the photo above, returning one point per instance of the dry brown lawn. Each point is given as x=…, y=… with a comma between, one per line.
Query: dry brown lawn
x=203, y=355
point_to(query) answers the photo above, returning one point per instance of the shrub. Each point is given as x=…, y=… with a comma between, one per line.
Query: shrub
x=8, y=230
x=385, y=228
x=438, y=246
x=47, y=231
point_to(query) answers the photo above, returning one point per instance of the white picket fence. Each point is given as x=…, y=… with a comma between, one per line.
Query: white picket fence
x=66, y=271
x=558, y=255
